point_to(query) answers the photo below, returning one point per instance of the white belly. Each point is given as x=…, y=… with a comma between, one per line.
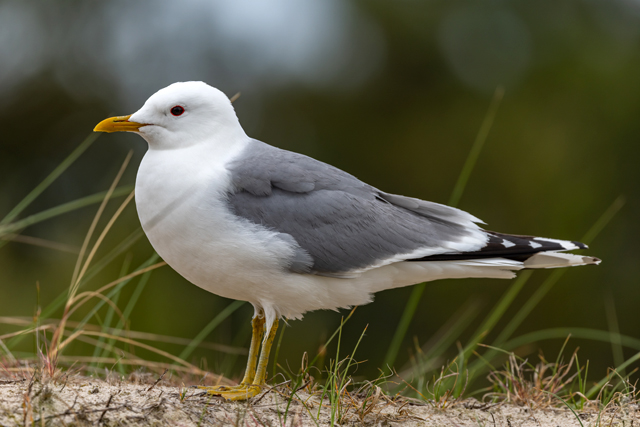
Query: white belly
x=187, y=221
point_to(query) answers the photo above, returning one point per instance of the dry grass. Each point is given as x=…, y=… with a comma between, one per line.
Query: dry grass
x=29, y=397
x=548, y=385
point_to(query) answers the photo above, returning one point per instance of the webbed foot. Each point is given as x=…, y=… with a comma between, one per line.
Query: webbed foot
x=237, y=392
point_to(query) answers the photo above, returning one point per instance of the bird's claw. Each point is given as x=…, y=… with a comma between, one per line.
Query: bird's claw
x=238, y=392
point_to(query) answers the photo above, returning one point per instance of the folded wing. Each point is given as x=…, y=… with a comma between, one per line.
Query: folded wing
x=340, y=226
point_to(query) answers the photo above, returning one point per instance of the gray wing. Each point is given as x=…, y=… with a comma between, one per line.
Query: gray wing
x=339, y=223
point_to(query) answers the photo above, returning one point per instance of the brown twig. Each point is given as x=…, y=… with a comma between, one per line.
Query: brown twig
x=3, y=382
x=158, y=380
x=269, y=390
x=105, y=409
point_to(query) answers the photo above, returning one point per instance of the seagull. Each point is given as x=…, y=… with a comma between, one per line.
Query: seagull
x=290, y=234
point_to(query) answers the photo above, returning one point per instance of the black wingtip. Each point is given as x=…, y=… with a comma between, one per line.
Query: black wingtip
x=514, y=247
x=580, y=245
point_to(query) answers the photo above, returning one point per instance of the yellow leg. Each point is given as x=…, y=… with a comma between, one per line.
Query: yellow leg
x=257, y=325
x=261, y=373
x=253, y=379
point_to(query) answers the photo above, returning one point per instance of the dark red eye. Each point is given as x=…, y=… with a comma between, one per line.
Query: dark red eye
x=177, y=110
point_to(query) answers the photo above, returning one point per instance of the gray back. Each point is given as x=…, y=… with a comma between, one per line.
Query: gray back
x=341, y=223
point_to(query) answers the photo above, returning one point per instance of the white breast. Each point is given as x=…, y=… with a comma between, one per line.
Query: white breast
x=180, y=196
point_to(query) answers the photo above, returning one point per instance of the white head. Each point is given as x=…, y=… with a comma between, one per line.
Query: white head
x=180, y=115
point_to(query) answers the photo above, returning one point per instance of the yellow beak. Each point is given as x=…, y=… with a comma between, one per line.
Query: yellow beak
x=118, y=124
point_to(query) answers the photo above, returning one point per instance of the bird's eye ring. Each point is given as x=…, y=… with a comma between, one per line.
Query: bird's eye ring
x=177, y=110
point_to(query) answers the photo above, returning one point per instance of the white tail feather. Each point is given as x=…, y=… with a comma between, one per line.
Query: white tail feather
x=557, y=260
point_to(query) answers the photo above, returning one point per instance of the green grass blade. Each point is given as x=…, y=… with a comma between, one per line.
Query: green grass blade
x=334, y=376
x=458, y=379
x=117, y=288
x=33, y=194
x=456, y=195
x=476, y=148
x=62, y=209
x=110, y=295
x=528, y=307
x=138, y=290
x=479, y=367
x=403, y=326
x=565, y=404
x=581, y=333
x=351, y=357
x=100, y=347
x=238, y=341
x=61, y=299
x=459, y=322
x=98, y=266
x=100, y=350
x=442, y=340
x=542, y=291
x=226, y=312
x=497, y=312
x=602, y=222
x=130, y=305
x=553, y=278
x=336, y=332
x=596, y=388
x=277, y=352
x=93, y=271
x=94, y=223
x=614, y=329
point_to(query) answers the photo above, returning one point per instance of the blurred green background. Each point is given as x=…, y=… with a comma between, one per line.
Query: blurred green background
x=392, y=92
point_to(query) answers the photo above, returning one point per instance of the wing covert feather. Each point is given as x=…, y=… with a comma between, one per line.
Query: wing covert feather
x=343, y=224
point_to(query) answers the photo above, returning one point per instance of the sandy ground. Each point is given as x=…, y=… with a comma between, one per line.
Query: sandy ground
x=85, y=401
